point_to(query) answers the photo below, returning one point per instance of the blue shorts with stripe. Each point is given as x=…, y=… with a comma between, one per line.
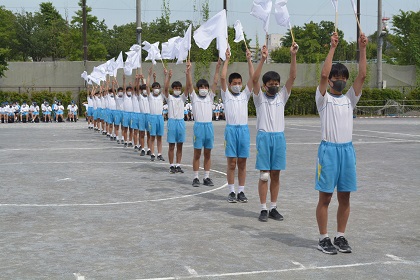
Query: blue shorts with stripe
x=156, y=125
x=271, y=151
x=203, y=135
x=176, y=131
x=90, y=112
x=144, y=122
x=118, y=117
x=336, y=167
x=134, y=120
x=237, y=141
x=110, y=116
x=95, y=113
x=126, y=120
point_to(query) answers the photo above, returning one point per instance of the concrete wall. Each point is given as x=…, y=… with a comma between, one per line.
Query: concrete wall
x=64, y=76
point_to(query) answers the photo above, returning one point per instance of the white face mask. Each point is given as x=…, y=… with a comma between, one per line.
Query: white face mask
x=156, y=91
x=128, y=93
x=120, y=94
x=236, y=88
x=144, y=92
x=203, y=92
x=177, y=92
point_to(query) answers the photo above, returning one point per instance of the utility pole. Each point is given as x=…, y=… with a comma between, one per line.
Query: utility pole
x=381, y=34
x=85, y=44
x=138, y=22
x=358, y=32
x=225, y=4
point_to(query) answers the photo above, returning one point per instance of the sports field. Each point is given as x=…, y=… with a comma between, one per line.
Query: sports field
x=74, y=205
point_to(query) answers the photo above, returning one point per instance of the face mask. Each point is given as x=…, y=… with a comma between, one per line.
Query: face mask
x=144, y=92
x=177, y=92
x=111, y=95
x=156, y=91
x=203, y=92
x=272, y=90
x=338, y=85
x=120, y=94
x=236, y=88
x=129, y=93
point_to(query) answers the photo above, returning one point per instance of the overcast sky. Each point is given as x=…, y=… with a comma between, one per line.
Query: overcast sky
x=301, y=11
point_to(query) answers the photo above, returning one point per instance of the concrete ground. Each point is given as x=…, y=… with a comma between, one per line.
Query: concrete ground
x=74, y=205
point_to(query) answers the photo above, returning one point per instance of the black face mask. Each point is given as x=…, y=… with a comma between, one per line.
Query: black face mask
x=338, y=85
x=272, y=90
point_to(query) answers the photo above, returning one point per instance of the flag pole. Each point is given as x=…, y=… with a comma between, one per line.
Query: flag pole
x=358, y=23
x=336, y=20
x=291, y=32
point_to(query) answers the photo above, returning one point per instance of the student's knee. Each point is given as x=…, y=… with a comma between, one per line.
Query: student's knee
x=264, y=176
x=324, y=198
x=343, y=198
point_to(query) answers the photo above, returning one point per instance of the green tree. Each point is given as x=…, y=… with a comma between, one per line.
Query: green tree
x=8, y=37
x=27, y=43
x=407, y=40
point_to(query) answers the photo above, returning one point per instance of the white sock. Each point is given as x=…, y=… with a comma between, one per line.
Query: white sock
x=195, y=174
x=264, y=206
x=273, y=205
x=231, y=188
x=322, y=236
x=206, y=174
x=172, y=165
x=339, y=234
x=241, y=189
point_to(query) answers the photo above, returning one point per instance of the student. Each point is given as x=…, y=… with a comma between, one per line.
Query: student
x=237, y=138
x=90, y=108
x=24, y=111
x=96, y=110
x=270, y=142
x=47, y=112
x=176, y=124
x=3, y=113
x=186, y=111
x=112, y=107
x=203, y=126
x=156, y=123
x=128, y=109
x=34, y=111
x=135, y=116
x=143, y=117
x=118, y=114
x=72, y=111
x=165, y=111
x=59, y=112
x=336, y=157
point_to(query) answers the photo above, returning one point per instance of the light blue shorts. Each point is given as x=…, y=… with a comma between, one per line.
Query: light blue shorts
x=203, y=135
x=110, y=116
x=336, y=166
x=45, y=113
x=271, y=151
x=134, y=120
x=164, y=111
x=126, y=120
x=237, y=141
x=118, y=115
x=90, y=112
x=95, y=114
x=144, y=122
x=60, y=112
x=176, y=131
x=156, y=125
x=24, y=113
x=35, y=113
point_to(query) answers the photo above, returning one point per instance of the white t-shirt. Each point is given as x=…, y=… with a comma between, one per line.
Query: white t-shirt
x=176, y=106
x=24, y=108
x=144, y=104
x=111, y=102
x=73, y=109
x=95, y=102
x=90, y=101
x=119, y=102
x=202, y=107
x=156, y=104
x=336, y=113
x=136, y=105
x=236, y=106
x=270, y=111
x=128, y=103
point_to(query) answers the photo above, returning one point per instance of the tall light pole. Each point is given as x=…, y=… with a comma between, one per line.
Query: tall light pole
x=380, y=43
x=84, y=31
x=225, y=4
x=358, y=32
x=138, y=22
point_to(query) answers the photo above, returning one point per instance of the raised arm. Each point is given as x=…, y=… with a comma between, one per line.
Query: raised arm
x=124, y=83
x=216, y=76
x=188, y=82
x=361, y=76
x=256, y=77
x=326, y=68
x=149, y=77
x=292, y=74
x=168, y=77
x=224, y=71
x=250, y=69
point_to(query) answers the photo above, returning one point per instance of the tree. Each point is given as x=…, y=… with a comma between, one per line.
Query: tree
x=407, y=39
x=8, y=37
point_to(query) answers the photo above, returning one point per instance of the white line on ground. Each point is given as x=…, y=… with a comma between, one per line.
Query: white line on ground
x=395, y=258
x=217, y=275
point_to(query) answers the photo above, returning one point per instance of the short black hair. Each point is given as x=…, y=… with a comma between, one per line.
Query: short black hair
x=142, y=87
x=202, y=82
x=155, y=84
x=120, y=88
x=129, y=87
x=339, y=69
x=176, y=84
x=234, y=76
x=271, y=76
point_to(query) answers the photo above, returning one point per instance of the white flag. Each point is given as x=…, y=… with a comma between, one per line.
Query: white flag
x=169, y=50
x=239, y=32
x=93, y=79
x=84, y=76
x=119, y=63
x=261, y=9
x=335, y=5
x=354, y=7
x=153, y=52
x=184, y=46
x=214, y=28
x=281, y=13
